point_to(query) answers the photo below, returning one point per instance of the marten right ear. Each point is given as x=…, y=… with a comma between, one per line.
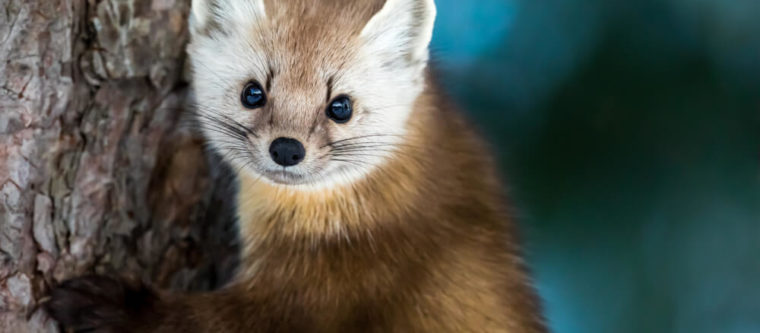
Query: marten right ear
x=208, y=15
x=200, y=15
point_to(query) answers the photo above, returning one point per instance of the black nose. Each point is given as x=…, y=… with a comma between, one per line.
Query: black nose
x=287, y=152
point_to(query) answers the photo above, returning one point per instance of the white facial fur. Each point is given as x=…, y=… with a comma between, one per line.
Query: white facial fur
x=381, y=69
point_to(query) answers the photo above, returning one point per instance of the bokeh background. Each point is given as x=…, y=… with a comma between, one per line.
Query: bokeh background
x=629, y=132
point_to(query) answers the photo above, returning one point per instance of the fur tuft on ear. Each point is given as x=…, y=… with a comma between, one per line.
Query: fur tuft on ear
x=224, y=13
x=402, y=28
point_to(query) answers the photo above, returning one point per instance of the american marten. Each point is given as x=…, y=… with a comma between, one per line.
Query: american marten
x=366, y=202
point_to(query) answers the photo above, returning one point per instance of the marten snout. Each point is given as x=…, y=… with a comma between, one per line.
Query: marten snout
x=287, y=152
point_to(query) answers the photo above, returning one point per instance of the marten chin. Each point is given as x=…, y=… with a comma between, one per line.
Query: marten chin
x=366, y=202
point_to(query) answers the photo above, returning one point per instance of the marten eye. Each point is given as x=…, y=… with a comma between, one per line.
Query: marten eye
x=340, y=109
x=253, y=96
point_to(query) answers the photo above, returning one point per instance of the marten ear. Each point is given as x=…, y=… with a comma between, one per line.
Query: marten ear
x=401, y=29
x=200, y=14
x=207, y=15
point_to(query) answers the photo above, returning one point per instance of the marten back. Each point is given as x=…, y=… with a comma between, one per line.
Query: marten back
x=366, y=204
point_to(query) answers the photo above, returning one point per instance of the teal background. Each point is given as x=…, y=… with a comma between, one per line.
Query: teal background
x=629, y=132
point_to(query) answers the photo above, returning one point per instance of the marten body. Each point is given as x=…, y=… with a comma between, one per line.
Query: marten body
x=409, y=234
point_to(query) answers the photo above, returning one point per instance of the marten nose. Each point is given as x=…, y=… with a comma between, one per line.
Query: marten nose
x=287, y=152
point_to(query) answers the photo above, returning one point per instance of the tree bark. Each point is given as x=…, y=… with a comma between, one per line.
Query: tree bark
x=98, y=171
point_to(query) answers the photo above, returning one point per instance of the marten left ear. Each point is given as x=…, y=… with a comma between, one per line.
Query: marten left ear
x=402, y=29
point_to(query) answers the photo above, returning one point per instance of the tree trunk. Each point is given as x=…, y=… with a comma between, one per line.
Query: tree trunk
x=98, y=172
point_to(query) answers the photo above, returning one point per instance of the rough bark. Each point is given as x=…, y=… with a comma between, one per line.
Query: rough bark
x=97, y=171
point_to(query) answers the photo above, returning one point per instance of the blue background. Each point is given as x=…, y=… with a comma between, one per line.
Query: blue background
x=629, y=132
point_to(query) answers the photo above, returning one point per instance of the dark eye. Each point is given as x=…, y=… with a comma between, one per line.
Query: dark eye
x=340, y=109
x=253, y=96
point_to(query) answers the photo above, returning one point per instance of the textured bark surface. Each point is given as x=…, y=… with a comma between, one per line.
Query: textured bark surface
x=98, y=172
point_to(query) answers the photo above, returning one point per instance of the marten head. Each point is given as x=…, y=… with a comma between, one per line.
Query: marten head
x=308, y=92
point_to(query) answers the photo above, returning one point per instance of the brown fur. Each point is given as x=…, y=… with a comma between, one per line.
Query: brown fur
x=424, y=243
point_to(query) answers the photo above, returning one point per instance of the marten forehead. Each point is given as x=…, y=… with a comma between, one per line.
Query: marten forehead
x=317, y=24
x=357, y=12
x=307, y=39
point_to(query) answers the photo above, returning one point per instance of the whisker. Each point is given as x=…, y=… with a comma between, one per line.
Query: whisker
x=359, y=138
x=227, y=123
x=213, y=115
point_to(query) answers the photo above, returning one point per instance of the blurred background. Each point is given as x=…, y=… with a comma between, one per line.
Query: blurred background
x=629, y=133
